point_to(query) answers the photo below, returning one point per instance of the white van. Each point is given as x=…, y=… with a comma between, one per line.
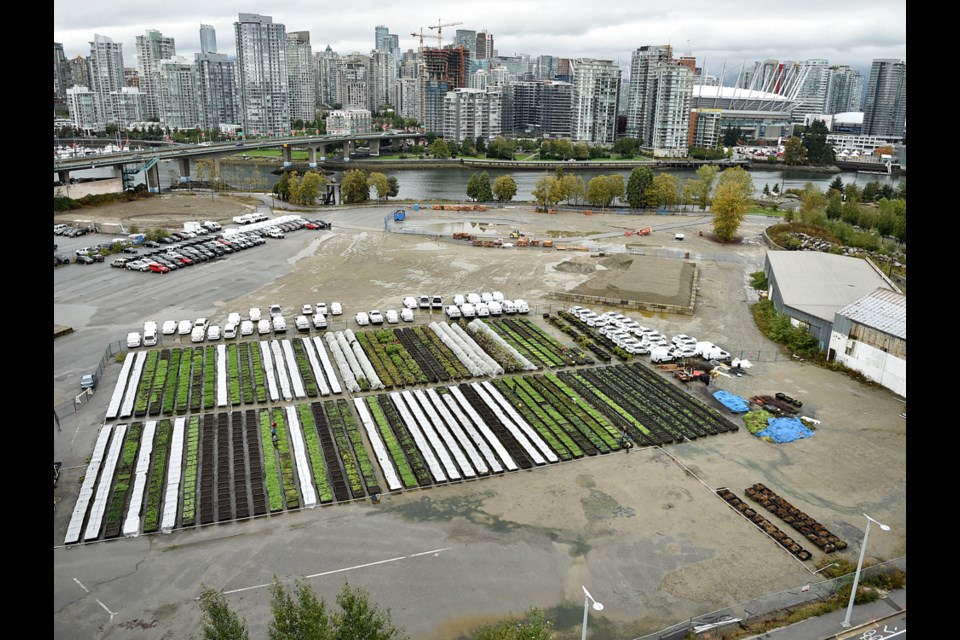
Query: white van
x=509, y=307
x=459, y=299
x=229, y=331
x=497, y=296
x=362, y=319
x=452, y=311
x=336, y=308
x=468, y=310
x=319, y=321
x=279, y=324
x=522, y=306
x=483, y=309
x=473, y=298
x=198, y=334
x=254, y=314
x=495, y=307
x=150, y=336
x=424, y=302
x=661, y=354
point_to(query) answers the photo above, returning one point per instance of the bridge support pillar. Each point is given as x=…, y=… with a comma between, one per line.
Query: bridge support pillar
x=153, y=178
x=184, y=164
x=348, y=149
x=287, y=156
x=374, y=147
x=63, y=176
x=312, y=157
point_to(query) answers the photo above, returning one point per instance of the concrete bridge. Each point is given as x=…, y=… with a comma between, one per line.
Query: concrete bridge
x=130, y=163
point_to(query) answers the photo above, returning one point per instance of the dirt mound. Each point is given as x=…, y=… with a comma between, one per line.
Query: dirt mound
x=579, y=264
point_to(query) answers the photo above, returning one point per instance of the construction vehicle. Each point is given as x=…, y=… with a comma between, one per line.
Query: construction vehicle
x=516, y=234
x=399, y=215
x=640, y=232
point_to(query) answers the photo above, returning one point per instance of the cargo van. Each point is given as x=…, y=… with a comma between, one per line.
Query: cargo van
x=424, y=302
x=509, y=307
x=495, y=308
x=452, y=311
x=522, y=306
x=468, y=310
x=483, y=309
x=279, y=324
x=436, y=302
x=661, y=354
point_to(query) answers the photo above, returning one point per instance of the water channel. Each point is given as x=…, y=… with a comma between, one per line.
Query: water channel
x=451, y=184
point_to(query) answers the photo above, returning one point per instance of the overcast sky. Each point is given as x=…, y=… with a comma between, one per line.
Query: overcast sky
x=846, y=32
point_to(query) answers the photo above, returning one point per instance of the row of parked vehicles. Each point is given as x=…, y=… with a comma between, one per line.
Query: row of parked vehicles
x=71, y=232
x=636, y=339
x=390, y=316
x=188, y=253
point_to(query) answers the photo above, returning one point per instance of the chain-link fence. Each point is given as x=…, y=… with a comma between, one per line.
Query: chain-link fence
x=67, y=408
x=712, y=626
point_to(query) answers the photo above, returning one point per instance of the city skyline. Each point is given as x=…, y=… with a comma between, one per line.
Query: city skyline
x=717, y=34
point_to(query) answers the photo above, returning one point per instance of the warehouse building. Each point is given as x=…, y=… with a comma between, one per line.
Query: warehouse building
x=870, y=336
x=811, y=287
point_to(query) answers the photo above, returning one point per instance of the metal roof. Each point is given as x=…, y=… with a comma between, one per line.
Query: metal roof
x=820, y=284
x=883, y=310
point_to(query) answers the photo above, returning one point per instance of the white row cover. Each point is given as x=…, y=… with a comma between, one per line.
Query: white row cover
x=131, y=524
x=89, y=479
x=315, y=366
x=469, y=427
x=454, y=425
x=268, y=370
x=444, y=433
x=447, y=339
x=222, y=375
x=518, y=420
x=366, y=365
x=348, y=353
x=114, y=406
x=103, y=489
x=482, y=427
x=126, y=408
x=327, y=366
x=171, y=499
x=515, y=431
x=479, y=326
x=379, y=449
x=349, y=380
x=294, y=370
x=486, y=358
x=430, y=432
x=281, y=370
x=307, y=491
x=435, y=469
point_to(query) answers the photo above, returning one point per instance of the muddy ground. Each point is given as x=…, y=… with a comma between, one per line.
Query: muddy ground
x=643, y=531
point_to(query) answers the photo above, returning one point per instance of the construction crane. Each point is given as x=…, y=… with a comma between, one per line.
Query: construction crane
x=439, y=27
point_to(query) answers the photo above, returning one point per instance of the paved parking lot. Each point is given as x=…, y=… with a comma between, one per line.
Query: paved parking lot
x=644, y=532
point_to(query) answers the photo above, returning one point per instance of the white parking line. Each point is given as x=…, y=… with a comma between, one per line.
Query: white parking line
x=97, y=599
x=359, y=566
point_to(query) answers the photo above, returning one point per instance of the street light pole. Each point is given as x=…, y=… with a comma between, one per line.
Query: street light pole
x=586, y=609
x=856, y=576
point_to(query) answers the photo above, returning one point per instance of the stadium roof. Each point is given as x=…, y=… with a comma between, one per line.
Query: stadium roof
x=734, y=93
x=882, y=309
x=820, y=284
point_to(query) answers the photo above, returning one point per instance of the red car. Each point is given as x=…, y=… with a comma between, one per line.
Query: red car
x=311, y=225
x=184, y=260
x=156, y=267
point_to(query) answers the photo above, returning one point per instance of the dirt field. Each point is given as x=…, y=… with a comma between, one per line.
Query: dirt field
x=643, y=531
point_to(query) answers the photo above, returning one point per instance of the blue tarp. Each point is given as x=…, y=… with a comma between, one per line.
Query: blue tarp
x=785, y=430
x=733, y=402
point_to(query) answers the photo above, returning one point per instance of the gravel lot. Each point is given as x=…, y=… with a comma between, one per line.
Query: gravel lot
x=643, y=531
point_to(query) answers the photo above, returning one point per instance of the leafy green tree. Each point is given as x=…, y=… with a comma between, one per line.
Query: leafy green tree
x=572, y=189
x=852, y=192
x=484, y=193
x=380, y=183
x=837, y=185
x=850, y=212
x=813, y=205
x=394, y=187
x=703, y=185
x=480, y=145
x=219, y=621
x=815, y=142
x=439, y=149
x=638, y=186
x=732, y=136
x=546, y=192
x=282, y=188
x=627, y=147
x=473, y=186
x=794, y=153
x=501, y=148
x=766, y=189
x=533, y=625
x=299, y=615
x=359, y=619
x=776, y=188
x=834, y=205
x=869, y=217
x=467, y=148
x=603, y=190
x=665, y=190
x=309, y=188
x=354, y=187
x=870, y=191
x=731, y=201
x=581, y=151
x=504, y=188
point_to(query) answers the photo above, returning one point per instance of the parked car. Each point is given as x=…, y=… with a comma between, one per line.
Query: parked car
x=233, y=318
x=246, y=327
x=169, y=327
x=254, y=314
x=319, y=321
x=213, y=332
x=133, y=339
x=279, y=324
x=229, y=331
x=156, y=267
x=375, y=316
x=406, y=314
x=409, y=302
x=84, y=260
x=184, y=327
x=683, y=339
x=336, y=308
x=391, y=316
x=263, y=327
x=452, y=311
x=302, y=322
x=59, y=258
x=321, y=307
x=362, y=319
x=88, y=381
x=276, y=310
x=307, y=310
